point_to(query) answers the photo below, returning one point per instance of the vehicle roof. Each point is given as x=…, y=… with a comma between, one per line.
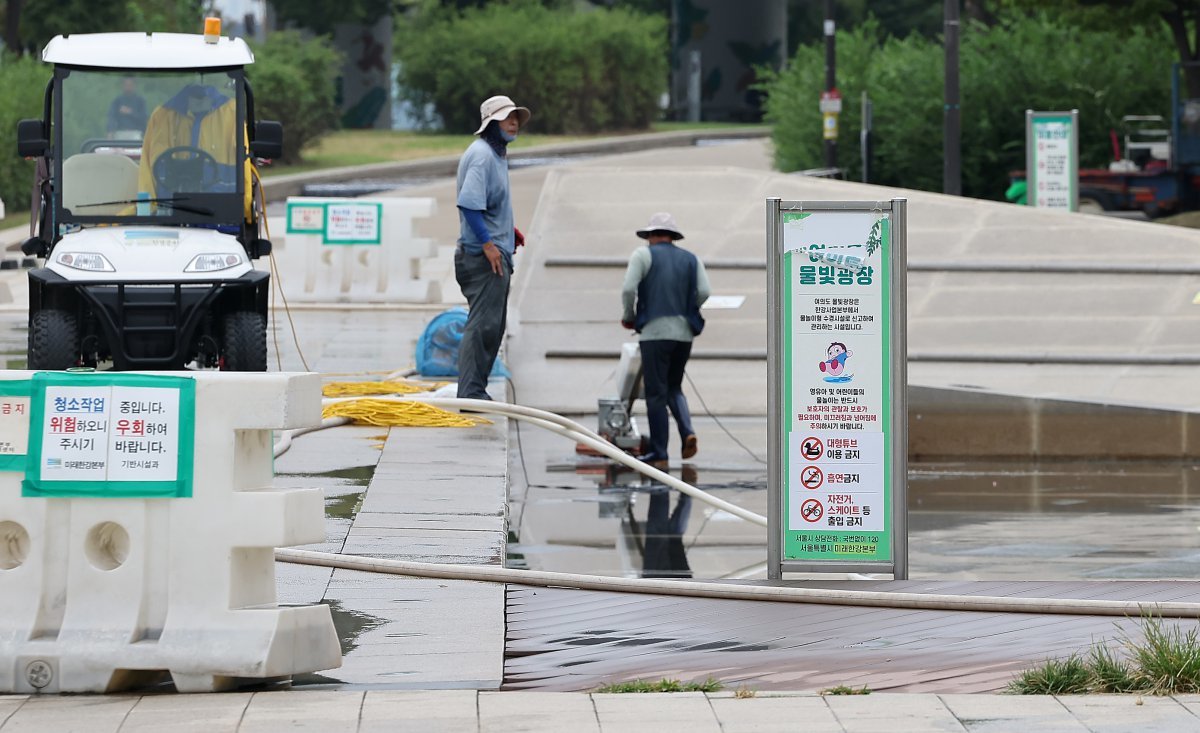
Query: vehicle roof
x=146, y=51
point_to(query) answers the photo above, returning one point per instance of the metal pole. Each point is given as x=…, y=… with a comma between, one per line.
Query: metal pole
x=694, y=70
x=830, y=75
x=899, y=347
x=775, y=520
x=865, y=138
x=952, y=123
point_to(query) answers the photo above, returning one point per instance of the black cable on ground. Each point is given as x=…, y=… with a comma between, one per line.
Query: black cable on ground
x=718, y=420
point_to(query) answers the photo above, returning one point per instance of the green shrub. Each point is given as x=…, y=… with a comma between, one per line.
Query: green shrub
x=579, y=72
x=24, y=83
x=294, y=82
x=1022, y=63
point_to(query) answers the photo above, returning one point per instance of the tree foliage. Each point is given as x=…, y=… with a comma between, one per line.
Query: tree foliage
x=30, y=24
x=294, y=78
x=24, y=83
x=321, y=15
x=1021, y=63
x=578, y=71
x=1180, y=17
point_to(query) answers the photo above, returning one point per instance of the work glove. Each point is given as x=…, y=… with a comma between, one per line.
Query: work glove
x=628, y=324
x=518, y=237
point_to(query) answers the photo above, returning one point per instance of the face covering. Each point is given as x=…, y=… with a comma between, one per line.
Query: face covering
x=495, y=137
x=507, y=138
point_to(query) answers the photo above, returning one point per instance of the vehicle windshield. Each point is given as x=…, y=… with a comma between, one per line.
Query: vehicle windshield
x=140, y=143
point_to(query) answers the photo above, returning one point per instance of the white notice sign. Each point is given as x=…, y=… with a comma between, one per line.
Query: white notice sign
x=108, y=433
x=353, y=223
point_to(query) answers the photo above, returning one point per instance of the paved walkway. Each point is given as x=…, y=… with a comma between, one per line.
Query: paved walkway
x=466, y=628
x=551, y=712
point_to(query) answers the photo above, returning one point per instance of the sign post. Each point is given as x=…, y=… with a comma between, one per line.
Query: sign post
x=837, y=383
x=1052, y=159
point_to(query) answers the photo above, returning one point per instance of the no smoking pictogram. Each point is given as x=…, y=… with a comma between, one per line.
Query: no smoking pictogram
x=811, y=477
x=811, y=510
x=812, y=448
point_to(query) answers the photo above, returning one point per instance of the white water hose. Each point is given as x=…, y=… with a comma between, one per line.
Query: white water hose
x=699, y=589
x=575, y=431
x=690, y=588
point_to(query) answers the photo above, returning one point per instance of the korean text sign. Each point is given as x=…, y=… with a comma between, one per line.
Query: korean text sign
x=1052, y=159
x=110, y=435
x=838, y=404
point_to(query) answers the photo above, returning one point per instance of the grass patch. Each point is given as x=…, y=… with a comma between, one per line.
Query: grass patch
x=1069, y=676
x=744, y=693
x=363, y=147
x=708, y=685
x=846, y=690
x=1166, y=661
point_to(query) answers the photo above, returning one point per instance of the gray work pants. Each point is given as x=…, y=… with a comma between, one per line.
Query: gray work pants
x=487, y=303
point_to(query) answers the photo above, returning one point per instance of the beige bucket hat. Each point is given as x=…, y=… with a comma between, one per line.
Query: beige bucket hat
x=499, y=107
x=661, y=222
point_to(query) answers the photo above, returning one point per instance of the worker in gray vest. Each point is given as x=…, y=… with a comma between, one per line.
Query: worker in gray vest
x=663, y=291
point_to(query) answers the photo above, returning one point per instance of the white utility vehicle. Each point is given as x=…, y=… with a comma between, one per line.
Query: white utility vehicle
x=145, y=205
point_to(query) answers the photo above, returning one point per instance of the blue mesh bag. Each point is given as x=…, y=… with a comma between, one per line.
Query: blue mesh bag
x=437, y=347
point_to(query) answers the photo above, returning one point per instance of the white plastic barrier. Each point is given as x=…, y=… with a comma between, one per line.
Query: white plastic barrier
x=357, y=250
x=100, y=593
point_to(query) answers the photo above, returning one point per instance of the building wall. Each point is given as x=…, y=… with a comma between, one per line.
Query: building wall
x=732, y=38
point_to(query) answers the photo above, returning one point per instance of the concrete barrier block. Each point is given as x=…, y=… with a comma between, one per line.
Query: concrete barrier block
x=107, y=590
x=345, y=259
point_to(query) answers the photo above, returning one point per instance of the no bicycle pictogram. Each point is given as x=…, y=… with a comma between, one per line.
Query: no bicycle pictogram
x=812, y=477
x=812, y=448
x=811, y=510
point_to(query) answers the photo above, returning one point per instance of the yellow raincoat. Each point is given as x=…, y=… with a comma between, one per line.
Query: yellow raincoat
x=173, y=125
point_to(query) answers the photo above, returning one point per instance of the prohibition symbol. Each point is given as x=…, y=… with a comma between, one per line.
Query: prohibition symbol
x=811, y=477
x=811, y=510
x=811, y=448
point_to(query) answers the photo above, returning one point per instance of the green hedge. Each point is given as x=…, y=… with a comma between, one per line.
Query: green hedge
x=579, y=72
x=24, y=83
x=1022, y=63
x=294, y=82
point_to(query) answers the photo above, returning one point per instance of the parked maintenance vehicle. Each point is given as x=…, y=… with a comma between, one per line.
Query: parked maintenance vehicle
x=1156, y=171
x=147, y=205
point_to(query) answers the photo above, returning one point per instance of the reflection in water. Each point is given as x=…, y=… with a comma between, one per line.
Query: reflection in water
x=663, y=553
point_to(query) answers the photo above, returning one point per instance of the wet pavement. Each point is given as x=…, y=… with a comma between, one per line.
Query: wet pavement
x=1066, y=520
x=1019, y=520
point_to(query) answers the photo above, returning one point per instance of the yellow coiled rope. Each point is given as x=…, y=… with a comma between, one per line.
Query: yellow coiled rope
x=352, y=389
x=384, y=413
x=390, y=413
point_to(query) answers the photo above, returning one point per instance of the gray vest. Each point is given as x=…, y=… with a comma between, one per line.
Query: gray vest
x=669, y=288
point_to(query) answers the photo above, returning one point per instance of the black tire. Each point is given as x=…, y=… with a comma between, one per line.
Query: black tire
x=245, y=345
x=53, y=340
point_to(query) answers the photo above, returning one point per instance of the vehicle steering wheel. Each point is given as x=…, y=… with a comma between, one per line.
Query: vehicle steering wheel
x=184, y=169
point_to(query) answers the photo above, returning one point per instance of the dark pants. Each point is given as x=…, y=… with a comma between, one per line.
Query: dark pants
x=663, y=554
x=487, y=303
x=663, y=363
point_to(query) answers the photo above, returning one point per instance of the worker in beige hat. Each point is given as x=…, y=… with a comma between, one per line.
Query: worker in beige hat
x=665, y=285
x=483, y=260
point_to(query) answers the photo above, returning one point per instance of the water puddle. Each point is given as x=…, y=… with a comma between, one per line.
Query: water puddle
x=1036, y=520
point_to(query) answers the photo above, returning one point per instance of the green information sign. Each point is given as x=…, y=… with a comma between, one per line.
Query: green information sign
x=337, y=221
x=1052, y=159
x=837, y=365
x=110, y=435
